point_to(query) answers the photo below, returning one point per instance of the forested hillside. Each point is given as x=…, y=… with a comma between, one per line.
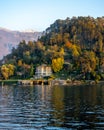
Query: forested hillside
x=73, y=47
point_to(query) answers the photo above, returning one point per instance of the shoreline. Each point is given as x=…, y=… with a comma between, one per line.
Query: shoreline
x=50, y=82
x=7, y=82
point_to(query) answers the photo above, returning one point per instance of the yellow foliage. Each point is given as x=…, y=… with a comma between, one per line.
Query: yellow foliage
x=62, y=51
x=57, y=64
x=75, y=50
x=7, y=70
x=27, y=53
x=19, y=62
x=11, y=69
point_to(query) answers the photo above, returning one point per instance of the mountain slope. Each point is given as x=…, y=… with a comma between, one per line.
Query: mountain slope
x=9, y=39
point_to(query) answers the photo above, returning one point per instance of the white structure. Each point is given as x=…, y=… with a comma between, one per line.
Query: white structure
x=43, y=71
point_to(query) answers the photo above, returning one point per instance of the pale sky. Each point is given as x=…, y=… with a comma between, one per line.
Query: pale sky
x=39, y=14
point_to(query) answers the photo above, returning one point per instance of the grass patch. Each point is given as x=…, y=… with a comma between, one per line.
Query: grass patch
x=8, y=82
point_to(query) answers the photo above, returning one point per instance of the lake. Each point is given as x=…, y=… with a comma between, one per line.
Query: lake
x=51, y=108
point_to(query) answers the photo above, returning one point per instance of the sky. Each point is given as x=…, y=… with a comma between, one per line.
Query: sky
x=39, y=14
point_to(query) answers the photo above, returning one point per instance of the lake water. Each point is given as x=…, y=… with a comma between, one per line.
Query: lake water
x=51, y=108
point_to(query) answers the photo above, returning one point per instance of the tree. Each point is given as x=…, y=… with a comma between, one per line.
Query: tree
x=75, y=50
x=11, y=69
x=32, y=70
x=7, y=70
x=19, y=63
x=87, y=62
x=68, y=44
x=26, y=70
x=57, y=64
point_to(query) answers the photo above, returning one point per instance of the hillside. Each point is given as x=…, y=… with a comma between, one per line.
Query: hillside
x=73, y=47
x=10, y=39
x=85, y=31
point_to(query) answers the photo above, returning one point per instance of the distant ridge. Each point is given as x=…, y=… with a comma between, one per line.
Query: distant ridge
x=10, y=39
x=26, y=30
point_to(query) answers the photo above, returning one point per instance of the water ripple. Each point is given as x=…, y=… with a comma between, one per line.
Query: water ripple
x=51, y=108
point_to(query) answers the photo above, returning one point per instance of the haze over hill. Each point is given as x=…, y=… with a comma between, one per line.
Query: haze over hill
x=10, y=39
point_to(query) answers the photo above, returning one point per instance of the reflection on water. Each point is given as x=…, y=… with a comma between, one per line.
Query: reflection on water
x=51, y=108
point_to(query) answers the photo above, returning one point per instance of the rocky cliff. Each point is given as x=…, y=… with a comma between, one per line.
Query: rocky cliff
x=10, y=39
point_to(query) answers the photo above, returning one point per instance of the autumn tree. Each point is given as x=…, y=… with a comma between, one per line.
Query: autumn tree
x=73, y=48
x=7, y=70
x=87, y=62
x=57, y=64
x=19, y=63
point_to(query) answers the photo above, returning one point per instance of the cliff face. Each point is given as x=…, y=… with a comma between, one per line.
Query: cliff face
x=10, y=39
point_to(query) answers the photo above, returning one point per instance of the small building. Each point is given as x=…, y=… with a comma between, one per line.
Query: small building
x=43, y=71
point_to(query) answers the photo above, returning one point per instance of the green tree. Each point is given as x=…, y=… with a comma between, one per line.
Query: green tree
x=31, y=70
